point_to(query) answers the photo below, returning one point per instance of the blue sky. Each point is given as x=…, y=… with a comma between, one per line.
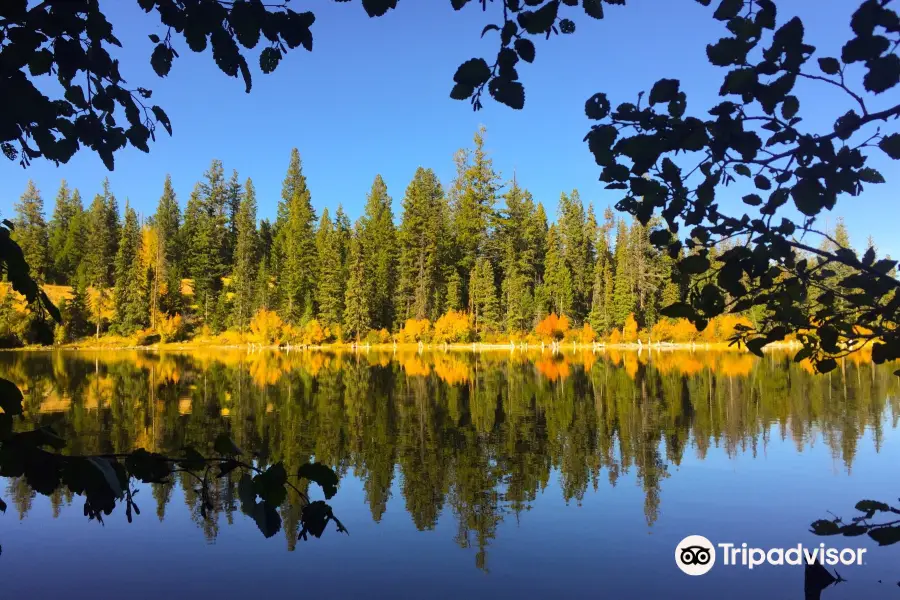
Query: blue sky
x=373, y=98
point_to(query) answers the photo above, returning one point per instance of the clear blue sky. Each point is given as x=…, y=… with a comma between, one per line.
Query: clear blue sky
x=373, y=98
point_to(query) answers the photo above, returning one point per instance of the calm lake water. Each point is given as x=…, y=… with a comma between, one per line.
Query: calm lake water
x=461, y=474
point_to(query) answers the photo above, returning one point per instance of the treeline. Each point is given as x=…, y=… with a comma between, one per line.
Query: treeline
x=482, y=248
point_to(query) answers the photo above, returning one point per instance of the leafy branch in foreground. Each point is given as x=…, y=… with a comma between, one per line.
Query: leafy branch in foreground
x=884, y=532
x=106, y=480
x=71, y=39
x=832, y=300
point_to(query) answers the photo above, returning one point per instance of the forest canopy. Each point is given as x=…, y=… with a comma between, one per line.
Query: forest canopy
x=475, y=259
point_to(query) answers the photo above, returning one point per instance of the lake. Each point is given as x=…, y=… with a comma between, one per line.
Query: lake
x=461, y=474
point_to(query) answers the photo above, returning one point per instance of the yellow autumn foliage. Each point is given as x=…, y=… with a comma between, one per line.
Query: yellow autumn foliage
x=414, y=330
x=453, y=326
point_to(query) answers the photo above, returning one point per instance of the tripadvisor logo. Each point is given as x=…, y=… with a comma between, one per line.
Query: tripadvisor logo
x=696, y=555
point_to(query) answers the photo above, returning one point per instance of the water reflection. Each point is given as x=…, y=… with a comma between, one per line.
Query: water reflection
x=475, y=434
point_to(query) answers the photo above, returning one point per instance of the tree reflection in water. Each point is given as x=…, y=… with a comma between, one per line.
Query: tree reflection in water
x=476, y=433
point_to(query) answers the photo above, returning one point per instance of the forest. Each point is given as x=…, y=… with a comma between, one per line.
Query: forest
x=478, y=260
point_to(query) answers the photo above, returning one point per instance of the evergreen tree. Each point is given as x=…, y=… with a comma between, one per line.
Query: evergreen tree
x=204, y=236
x=76, y=314
x=233, y=197
x=96, y=261
x=519, y=241
x=111, y=215
x=483, y=297
x=331, y=281
x=601, y=316
x=295, y=246
x=263, y=292
x=64, y=230
x=576, y=250
x=558, y=285
x=73, y=248
x=246, y=258
x=422, y=242
x=31, y=232
x=379, y=240
x=130, y=294
x=165, y=296
x=356, y=301
x=623, y=293
x=472, y=195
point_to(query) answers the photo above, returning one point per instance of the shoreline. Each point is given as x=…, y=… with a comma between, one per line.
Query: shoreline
x=390, y=347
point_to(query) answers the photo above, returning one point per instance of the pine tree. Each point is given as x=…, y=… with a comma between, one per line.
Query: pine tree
x=263, y=292
x=76, y=314
x=111, y=215
x=31, y=232
x=519, y=242
x=356, y=307
x=73, y=248
x=379, y=239
x=96, y=261
x=246, y=258
x=233, y=197
x=577, y=251
x=166, y=281
x=64, y=229
x=331, y=281
x=483, y=297
x=204, y=237
x=601, y=316
x=130, y=294
x=422, y=241
x=557, y=277
x=295, y=246
x=472, y=195
x=623, y=293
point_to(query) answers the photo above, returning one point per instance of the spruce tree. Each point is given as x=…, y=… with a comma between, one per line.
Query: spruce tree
x=111, y=215
x=130, y=294
x=601, y=315
x=165, y=296
x=76, y=314
x=331, y=282
x=64, y=256
x=558, y=285
x=518, y=241
x=295, y=246
x=233, y=196
x=356, y=301
x=31, y=232
x=623, y=293
x=473, y=195
x=379, y=239
x=483, y=297
x=422, y=240
x=204, y=236
x=96, y=261
x=246, y=258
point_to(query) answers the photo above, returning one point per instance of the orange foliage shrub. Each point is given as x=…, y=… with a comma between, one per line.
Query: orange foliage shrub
x=553, y=327
x=615, y=337
x=266, y=327
x=453, y=326
x=414, y=330
x=585, y=335
x=683, y=331
x=630, y=329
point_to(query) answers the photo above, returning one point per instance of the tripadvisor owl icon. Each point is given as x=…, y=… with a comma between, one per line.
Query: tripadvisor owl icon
x=695, y=555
